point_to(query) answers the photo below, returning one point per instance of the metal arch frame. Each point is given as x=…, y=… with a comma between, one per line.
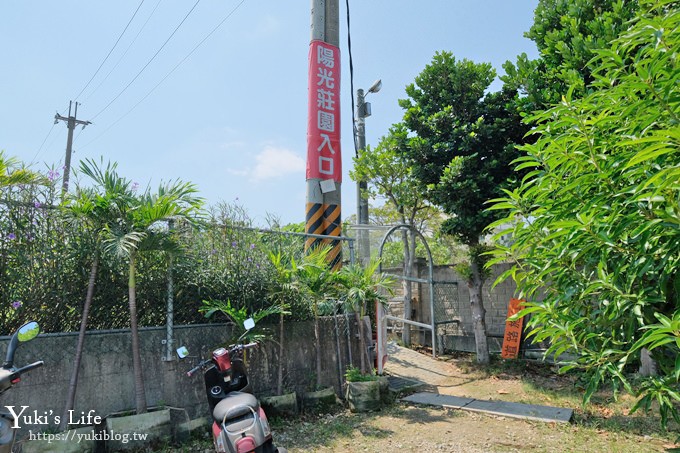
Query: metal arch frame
x=429, y=281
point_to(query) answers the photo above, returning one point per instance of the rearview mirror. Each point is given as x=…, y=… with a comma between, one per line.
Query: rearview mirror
x=28, y=331
x=249, y=323
x=182, y=352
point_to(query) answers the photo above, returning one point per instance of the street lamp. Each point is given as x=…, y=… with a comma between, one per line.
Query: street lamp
x=364, y=111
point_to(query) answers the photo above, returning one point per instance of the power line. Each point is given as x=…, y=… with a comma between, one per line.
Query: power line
x=124, y=53
x=168, y=74
x=351, y=81
x=43, y=142
x=148, y=62
x=45, y=139
x=109, y=54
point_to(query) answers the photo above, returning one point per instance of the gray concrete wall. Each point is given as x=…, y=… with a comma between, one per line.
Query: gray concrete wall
x=106, y=381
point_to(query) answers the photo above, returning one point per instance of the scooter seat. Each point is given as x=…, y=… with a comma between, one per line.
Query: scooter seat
x=236, y=404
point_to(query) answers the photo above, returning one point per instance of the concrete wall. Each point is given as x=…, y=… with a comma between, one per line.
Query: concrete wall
x=106, y=382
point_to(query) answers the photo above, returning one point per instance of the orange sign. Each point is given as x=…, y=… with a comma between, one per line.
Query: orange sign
x=513, y=331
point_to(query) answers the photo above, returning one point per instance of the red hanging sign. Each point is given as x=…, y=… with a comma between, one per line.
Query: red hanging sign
x=323, y=119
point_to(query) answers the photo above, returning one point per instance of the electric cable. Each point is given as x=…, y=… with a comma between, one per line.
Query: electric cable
x=45, y=139
x=168, y=74
x=43, y=143
x=351, y=82
x=109, y=54
x=124, y=53
x=148, y=62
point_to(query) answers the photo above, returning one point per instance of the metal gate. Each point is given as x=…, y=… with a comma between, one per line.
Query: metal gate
x=382, y=317
x=446, y=310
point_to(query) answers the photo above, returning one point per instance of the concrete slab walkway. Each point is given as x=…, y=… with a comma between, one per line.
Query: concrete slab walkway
x=442, y=384
x=503, y=408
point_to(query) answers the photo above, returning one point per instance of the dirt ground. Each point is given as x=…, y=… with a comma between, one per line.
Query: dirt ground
x=604, y=426
x=403, y=427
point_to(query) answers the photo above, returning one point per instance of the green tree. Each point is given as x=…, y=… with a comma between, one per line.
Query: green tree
x=92, y=210
x=238, y=315
x=595, y=223
x=389, y=176
x=461, y=152
x=567, y=33
x=141, y=228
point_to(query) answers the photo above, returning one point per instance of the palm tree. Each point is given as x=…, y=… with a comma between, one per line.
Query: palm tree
x=11, y=174
x=363, y=286
x=318, y=284
x=93, y=209
x=286, y=287
x=141, y=228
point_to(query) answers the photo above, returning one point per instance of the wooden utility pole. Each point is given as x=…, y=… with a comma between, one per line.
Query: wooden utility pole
x=71, y=123
x=324, y=164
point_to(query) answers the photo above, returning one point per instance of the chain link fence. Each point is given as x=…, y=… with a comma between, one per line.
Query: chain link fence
x=46, y=258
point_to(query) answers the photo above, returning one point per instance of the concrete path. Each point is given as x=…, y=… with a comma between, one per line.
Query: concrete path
x=439, y=381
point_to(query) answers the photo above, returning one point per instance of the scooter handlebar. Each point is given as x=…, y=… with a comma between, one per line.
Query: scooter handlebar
x=208, y=361
x=29, y=367
x=197, y=367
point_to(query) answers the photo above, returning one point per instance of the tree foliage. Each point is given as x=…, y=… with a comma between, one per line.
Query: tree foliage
x=445, y=248
x=389, y=175
x=567, y=34
x=464, y=140
x=463, y=143
x=13, y=174
x=596, y=221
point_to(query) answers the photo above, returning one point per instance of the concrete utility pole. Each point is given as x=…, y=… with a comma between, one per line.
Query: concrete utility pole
x=324, y=164
x=363, y=233
x=71, y=123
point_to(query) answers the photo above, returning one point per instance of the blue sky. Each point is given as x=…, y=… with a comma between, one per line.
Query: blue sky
x=232, y=117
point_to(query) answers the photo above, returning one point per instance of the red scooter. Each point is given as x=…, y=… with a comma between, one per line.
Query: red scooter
x=239, y=423
x=10, y=375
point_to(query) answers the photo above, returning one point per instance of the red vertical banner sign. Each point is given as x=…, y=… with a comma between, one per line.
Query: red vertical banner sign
x=513, y=331
x=323, y=119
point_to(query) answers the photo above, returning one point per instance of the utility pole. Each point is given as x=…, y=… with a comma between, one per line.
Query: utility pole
x=71, y=123
x=324, y=162
x=363, y=233
x=362, y=185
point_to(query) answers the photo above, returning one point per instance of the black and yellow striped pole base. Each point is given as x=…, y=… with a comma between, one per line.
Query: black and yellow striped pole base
x=325, y=219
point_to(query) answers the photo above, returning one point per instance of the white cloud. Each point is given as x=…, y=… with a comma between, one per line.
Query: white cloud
x=273, y=162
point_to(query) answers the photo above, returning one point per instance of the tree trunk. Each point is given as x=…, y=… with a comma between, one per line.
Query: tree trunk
x=140, y=396
x=478, y=312
x=73, y=383
x=279, y=378
x=317, y=337
x=362, y=342
x=647, y=364
x=409, y=258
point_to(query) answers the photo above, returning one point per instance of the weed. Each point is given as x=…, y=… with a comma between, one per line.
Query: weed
x=354, y=374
